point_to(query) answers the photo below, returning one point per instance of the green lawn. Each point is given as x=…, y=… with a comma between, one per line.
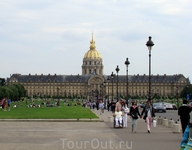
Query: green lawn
x=61, y=112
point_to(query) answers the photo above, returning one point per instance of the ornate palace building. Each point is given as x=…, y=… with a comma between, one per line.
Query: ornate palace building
x=93, y=84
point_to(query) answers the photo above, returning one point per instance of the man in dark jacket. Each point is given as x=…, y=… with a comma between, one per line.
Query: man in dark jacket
x=184, y=113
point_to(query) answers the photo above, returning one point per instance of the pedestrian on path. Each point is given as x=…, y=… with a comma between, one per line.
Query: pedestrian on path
x=148, y=112
x=184, y=113
x=126, y=112
x=101, y=107
x=134, y=113
x=119, y=104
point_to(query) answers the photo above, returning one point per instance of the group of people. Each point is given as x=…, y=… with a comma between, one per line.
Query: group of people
x=122, y=111
x=5, y=103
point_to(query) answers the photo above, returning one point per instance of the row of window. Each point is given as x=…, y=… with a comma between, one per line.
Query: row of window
x=90, y=63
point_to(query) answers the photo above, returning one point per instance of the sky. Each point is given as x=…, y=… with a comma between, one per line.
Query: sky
x=52, y=36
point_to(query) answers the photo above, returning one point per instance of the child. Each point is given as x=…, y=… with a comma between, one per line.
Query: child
x=126, y=112
x=118, y=118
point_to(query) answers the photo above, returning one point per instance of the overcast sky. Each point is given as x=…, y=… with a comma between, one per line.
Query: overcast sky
x=52, y=36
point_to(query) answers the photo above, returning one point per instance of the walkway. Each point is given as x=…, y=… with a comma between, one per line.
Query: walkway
x=160, y=138
x=85, y=135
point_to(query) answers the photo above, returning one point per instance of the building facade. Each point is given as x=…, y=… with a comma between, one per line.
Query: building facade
x=92, y=84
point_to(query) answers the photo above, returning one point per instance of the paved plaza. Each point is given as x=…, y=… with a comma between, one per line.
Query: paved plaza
x=85, y=135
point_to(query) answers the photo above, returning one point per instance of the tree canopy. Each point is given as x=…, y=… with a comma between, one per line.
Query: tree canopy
x=187, y=91
x=14, y=91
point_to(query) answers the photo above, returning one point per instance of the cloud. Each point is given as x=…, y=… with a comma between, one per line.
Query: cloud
x=36, y=35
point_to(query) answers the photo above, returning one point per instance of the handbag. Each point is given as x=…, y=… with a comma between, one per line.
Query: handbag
x=134, y=115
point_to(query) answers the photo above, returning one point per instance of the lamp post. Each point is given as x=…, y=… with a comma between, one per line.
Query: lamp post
x=26, y=98
x=108, y=79
x=112, y=76
x=149, y=45
x=117, y=70
x=97, y=94
x=57, y=96
x=101, y=91
x=177, y=95
x=188, y=90
x=104, y=94
x=127, y=80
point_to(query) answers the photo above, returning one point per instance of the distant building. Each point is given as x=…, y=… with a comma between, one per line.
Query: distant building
x=90, y=84
x=2, y=81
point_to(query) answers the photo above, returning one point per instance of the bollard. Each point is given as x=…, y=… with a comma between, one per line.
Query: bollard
x=170, y=123
x=178, y=121
x=154, y=123
x=159, y=120
x=165, y=122
x=110, y=119
x=176, y=127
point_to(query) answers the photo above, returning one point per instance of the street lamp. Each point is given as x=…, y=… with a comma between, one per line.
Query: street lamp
x=104, y=89
x=97, y=94
x=127, y=80
x=112, y=76
x=26, y=98
x=117, y=70
x=188, y=90
x=108, y=79
x=101, y=91
x=149, y=45
x=57, y=96
x=177, y=95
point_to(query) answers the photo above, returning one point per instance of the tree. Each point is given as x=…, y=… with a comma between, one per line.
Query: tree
x=21, y=90
x=2, y=92
x=187, y=90
x=14, y=91
x=2, y=81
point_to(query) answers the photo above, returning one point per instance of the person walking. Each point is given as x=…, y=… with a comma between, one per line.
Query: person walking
x=126, y=112
x=101, y=107
x=9, y=104
x=2, y=103
x=134, y=113
x=149, y=114
x=119, y=104
x=184, y=113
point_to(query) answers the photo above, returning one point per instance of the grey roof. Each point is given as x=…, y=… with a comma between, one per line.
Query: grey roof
x=85, y=78
x=51, y=78
x=154, y=78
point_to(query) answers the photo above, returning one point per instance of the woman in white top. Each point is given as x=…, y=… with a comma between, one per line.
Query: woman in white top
x=118, y=118
x=126, y=112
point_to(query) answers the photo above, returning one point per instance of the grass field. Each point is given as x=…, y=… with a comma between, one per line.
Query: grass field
x=60, y=112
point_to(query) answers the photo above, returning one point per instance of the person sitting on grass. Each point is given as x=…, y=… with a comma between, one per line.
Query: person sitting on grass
x=118, y=118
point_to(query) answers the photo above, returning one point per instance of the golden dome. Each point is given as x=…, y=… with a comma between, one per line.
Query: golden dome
x=92, y=53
